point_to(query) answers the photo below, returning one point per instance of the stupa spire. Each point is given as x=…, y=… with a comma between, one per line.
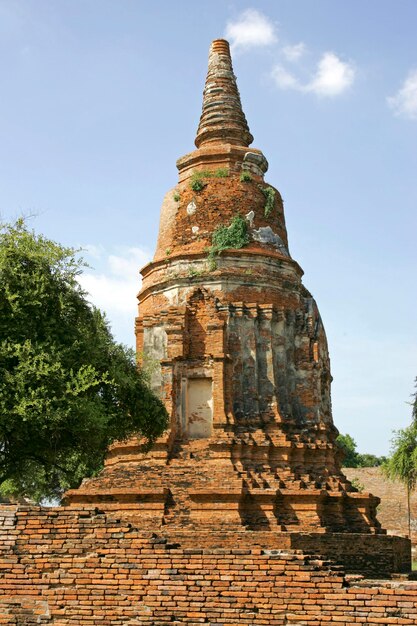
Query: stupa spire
x=222, y=119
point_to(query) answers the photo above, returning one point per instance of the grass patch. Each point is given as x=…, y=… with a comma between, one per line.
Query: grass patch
x=198, y=183
x=221, y=172
x=193, y=272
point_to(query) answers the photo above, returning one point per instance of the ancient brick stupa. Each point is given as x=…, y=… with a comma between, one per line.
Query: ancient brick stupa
x=238, y=353
x=227, y=519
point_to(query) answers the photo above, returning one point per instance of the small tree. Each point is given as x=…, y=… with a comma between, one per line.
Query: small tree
x=402, y=464
x=67, y=389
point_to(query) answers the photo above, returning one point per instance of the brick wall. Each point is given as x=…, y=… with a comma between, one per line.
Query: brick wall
x=392, y=511
x=77, y=567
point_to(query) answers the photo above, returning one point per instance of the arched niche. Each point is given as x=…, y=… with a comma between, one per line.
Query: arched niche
x=201, y=339
x=200, y=314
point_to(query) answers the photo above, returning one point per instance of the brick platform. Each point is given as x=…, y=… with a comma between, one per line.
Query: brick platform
x=77, y=567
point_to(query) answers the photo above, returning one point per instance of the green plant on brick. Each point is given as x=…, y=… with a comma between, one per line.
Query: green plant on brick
x=198, y=183
x=212, y=264
x=245, y=177
x=193, y=272
x=225, y=237
x=269, y=194
x=221, y=172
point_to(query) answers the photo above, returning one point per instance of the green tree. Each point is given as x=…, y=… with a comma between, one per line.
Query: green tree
x=370, y=460
x=353, y=458
x=348, y=446
x=402, y=463
x=67, y=389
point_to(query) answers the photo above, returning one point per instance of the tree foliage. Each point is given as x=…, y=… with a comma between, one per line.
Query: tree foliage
x=67, y=389
x=353, y=458
x=348, y=446
x=402, y=462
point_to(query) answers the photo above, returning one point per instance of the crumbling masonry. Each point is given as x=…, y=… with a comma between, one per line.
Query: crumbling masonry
x=240, y=514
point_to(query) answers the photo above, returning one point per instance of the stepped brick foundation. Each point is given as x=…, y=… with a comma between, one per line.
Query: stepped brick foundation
x=77, y=567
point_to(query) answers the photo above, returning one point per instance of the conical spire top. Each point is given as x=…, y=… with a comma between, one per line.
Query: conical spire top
x=222, y=119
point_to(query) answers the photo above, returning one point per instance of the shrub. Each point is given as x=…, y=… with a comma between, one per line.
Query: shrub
x=269, y=194
x=197, y=182
x=233, y=236
x=245, y=177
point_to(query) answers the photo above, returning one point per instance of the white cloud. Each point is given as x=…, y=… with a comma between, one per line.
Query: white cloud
x=114, y=290
x=404, y=103
x=128, y=265
x=332, y=77
x=294, y=52
x=114, y=287
x=250, y=30
x=110, y=294
x=283, y=78
x=92, y=250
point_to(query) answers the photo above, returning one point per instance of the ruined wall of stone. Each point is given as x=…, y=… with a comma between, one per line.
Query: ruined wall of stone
x=76, y=567
x=280, y=366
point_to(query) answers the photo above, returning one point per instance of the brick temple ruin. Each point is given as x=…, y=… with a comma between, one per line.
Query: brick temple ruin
x=240, y=514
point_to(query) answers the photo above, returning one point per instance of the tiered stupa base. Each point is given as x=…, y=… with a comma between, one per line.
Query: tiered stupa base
x=258, y=481
x=234, y=492
x=241, y=482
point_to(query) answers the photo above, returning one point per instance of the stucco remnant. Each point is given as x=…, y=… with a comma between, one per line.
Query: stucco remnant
x=191, y=207
x=265, y=234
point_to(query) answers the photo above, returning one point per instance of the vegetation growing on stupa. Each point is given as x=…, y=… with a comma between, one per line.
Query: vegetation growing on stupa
x=235, y=235
x=269, y=194
x=198, y=177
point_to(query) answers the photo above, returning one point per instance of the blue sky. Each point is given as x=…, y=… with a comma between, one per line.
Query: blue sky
x=99, y=98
